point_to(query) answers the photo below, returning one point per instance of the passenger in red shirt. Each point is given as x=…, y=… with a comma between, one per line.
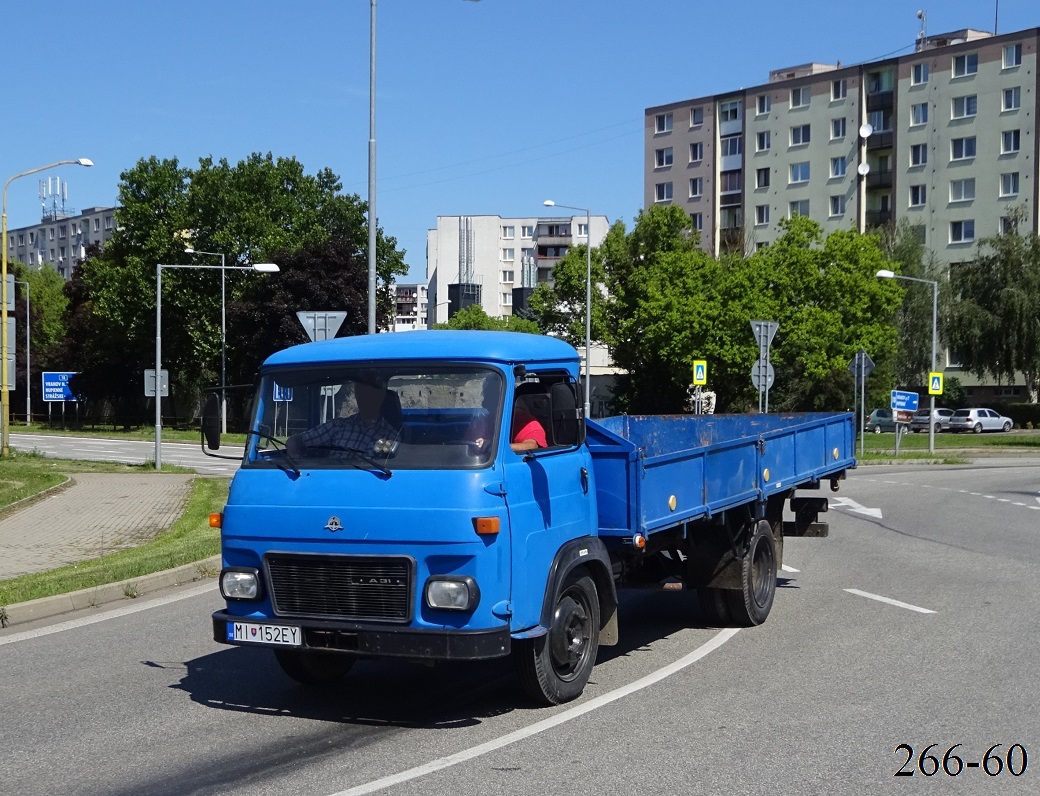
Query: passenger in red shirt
x=527, y=433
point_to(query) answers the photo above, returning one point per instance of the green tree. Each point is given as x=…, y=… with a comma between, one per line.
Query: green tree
x=474, y=317
x=559, y=307
x=993, y=322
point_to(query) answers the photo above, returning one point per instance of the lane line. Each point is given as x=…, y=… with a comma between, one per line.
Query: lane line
x=72, y=624
x=786, y=568
x=890, y=601
x=541, y=726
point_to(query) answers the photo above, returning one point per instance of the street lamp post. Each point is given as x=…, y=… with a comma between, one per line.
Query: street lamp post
x=267, y=268
x=223, y=338
x=886, y=274
x=28, y=329
x=588, y=299
x=5, y=390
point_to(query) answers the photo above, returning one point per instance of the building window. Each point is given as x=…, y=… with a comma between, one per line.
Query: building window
x=663, y=123
x=21, y=238
x=664, y=157
x=32, y=238
x=763, y=141
x=508, y=232
x=762, y=178
x=507, y=276
x=97, y=224
x=1010, y=141
x=62, y=232
x=663, y=192
x=799, y=208
x=918, y=195
x=838, y=167
x=729, y=111
x=1011, y=99
x=696, y=152
x=697, y=221
x=839, y=89
x=800, y=135
x=696, y=187
x=966, y=106
x=919, y=113
x=837, y=128
x=108, y=223
x=800, y=97
x=881, y=120
x=733, y=145
x=583, y=230
x=962, y=231
x=50, y=234
x=764, y=103
x=1009, y=184
x=527, y=254
x=1012, y=55
x=1006, y=226
x=527, y=231
x=919, y=74
x=507, y=299
x=962, y=148
x=731, y=181
x=965, y=64
x=730, y=218
x=508, y=255
x=696, y=117
x=962, y=190
x=837, y=206
x=761, y=214
x=800, y=172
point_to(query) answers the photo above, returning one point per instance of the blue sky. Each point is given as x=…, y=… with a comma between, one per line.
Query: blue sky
x=483, y=107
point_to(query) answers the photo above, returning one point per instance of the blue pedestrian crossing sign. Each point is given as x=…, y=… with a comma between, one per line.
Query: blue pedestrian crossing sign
x=700, y=372
x=935, y=384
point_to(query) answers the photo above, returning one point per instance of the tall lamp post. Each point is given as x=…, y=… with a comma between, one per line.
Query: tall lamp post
x=267, y=268
x=884, y=273
x=223, y=338
x=5, y=390
x=28, y=327
x=588, y=299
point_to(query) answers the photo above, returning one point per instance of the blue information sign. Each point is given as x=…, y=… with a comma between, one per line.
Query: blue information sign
x=906, y=401
x=56, y=386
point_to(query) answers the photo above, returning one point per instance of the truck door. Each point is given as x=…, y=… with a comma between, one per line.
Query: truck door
x=548, y=493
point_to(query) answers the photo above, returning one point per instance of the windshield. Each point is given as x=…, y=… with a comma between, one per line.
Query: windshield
x=380, y=418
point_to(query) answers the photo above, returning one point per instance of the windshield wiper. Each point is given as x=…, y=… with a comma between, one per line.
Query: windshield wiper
x=361, y=454
x=289, y=465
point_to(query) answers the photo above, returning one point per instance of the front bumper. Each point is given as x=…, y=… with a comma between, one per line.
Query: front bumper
x=369, y=641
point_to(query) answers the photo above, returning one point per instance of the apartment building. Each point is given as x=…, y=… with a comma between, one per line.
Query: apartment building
x=946, y=137
x=410, y=307
x=497, y=262
x=61, y=238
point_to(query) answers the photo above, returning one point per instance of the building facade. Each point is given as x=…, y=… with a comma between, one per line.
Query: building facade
x=946, y=137
x=61, y=238
x=497, y=262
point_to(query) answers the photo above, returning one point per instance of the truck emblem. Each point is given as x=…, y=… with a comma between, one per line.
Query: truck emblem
x=333, y=524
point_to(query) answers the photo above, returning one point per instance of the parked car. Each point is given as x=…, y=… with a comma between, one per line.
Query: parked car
x=883, y=420
x=940, y=419
x=979, y=420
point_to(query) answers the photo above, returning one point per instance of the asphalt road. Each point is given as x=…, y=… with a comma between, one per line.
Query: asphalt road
x=911, y=625
x=184, y=454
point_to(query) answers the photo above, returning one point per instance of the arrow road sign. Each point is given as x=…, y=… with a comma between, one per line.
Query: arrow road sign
x=906, y=401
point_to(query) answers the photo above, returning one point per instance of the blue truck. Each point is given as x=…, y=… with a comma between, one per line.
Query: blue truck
x=384, y=507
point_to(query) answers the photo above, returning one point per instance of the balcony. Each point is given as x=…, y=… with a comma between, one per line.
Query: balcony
x=881, y=140
x=880, y=179
x=731, y=199
x=880, y=100
x=877, y=218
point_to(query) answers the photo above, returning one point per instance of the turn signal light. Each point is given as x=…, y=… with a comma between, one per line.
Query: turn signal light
x=216, y=520
x=486, y=525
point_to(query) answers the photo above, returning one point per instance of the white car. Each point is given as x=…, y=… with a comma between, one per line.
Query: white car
x=979, y=420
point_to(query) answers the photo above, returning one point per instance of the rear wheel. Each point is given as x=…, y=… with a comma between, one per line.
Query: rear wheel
x=311, y=667
x=555, y=668
x=877, y=429
x=750, y=605
x=938, y=427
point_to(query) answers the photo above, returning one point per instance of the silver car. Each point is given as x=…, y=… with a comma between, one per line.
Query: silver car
x=979, y=420
x=940, y=419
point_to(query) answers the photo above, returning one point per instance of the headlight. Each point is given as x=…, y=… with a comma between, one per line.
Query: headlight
x=240, y=584
x=452, y=593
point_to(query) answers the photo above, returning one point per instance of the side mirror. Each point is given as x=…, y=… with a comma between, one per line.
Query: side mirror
x=211, y=421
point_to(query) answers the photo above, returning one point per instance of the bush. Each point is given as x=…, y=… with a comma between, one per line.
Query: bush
x=1024, y=415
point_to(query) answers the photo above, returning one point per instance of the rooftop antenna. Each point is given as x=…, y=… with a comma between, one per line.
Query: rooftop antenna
x=996, y=14
x=921, y=15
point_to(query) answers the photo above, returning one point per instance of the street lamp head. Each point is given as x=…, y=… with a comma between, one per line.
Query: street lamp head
x=549, y=203
x=189, y=250
x=85, y=162
x=884, y=273
x=266, y=268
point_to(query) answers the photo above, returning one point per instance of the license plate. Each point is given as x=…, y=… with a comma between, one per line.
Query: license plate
x=249, y=633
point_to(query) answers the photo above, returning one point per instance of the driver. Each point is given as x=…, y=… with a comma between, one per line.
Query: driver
x=366, y=430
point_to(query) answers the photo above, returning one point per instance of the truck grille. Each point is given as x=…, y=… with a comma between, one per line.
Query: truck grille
x=342, y=587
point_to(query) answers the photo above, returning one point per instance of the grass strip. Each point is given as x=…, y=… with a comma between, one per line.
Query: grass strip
x=190, y=539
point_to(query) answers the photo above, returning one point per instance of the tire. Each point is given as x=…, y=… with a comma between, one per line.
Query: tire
x=877, y=429
x=314, y=668
x=714, y=607
x=750, y=605
x=555, y=668
x=977, y=429
x=938, y=428
x=1006, y=426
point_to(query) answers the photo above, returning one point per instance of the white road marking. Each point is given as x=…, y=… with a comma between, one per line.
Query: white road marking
x=890, y=601
x=853, y=506
x=786, y=568
x=543, y=725
x=202, y=588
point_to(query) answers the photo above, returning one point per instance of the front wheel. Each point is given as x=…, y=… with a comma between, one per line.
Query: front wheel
x=1007, y=426
x=314, y=668
x=877, y=429
x=938, y=428
x=977, y=429
x=555, y=668
x=750, y=605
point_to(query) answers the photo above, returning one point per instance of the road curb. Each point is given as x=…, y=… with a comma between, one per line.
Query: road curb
x=49, y=607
